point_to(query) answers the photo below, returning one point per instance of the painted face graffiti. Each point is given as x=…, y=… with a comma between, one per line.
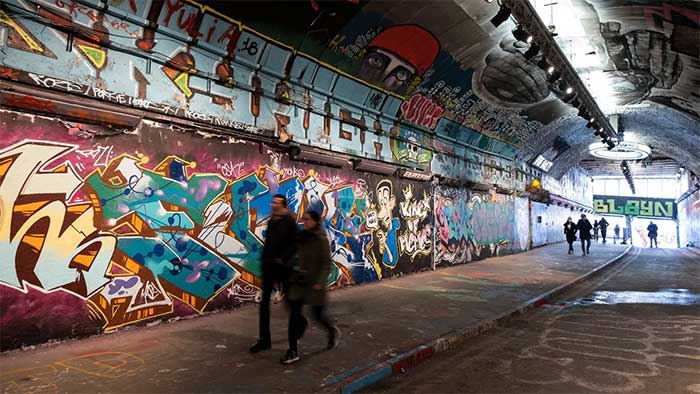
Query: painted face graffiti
x=398, y=56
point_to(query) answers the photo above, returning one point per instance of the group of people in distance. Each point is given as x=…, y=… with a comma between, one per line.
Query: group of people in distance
x=584, y=228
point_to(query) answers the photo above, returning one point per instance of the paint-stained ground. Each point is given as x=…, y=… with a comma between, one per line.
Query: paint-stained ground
x=378, y=321
x=634, y=330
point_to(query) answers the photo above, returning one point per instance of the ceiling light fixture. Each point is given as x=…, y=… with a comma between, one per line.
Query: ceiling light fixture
x=521, y=35
x=624, y=150
x=532, y=51
x=553, y=78
x=502, y=16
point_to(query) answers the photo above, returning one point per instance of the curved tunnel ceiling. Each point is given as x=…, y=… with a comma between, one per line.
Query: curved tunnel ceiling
x=645, y=66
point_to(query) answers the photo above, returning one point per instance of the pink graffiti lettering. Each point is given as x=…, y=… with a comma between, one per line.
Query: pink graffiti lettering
x=421, y=111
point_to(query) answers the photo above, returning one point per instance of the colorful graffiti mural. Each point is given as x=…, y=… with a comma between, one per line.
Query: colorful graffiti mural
x=139, y=226
x=472, y=226
x=689, y=220
x=199, y=65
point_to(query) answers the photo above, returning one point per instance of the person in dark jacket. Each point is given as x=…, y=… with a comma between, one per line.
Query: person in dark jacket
x=603, y=228
x=308, y=284
x=584, y=233
x=570, y=232
x=596, y=229
x=277, y=254
x=653, y=232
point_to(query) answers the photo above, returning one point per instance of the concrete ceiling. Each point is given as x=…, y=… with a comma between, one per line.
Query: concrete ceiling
x=646, y=55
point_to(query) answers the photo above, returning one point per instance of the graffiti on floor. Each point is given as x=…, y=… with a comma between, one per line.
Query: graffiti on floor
x=607, y=352
x=105, y=365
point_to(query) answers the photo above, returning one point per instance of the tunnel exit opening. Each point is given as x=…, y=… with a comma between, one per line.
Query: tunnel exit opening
x=667, y=235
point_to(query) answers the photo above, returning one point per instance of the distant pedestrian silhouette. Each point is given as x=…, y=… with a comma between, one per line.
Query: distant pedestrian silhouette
x=603, y=228
x=617, y=232
x=584, y=232
x=570, y=232
x=596, y=228
x=653, y=230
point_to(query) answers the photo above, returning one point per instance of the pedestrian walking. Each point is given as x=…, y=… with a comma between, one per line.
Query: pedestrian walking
x=653, y=231
x=617, y=232
x=570, y=232
x=596, y=228
x=584, y=233
x=308, y=285
x=603, y=228
x=277, y=255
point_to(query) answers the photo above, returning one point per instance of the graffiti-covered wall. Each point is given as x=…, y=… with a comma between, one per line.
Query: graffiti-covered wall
x=369, y=82
x=548, y=223
x=689, y=220
x=575, y=185
x=98, y=233
x=472, y=225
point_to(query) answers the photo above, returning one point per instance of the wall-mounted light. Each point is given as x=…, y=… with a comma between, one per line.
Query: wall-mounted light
x=374, y=167
x=413, y=175
x=312, y=156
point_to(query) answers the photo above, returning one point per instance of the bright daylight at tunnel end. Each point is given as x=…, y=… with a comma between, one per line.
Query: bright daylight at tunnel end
x=350, y=196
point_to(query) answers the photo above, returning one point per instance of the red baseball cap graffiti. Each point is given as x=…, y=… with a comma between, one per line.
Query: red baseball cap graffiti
x=410, y=42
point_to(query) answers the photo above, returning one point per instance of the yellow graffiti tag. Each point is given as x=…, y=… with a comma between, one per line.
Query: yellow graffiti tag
x=6, y=20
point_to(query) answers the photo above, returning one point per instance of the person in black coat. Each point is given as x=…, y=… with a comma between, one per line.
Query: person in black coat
x=277, y=254
x=584, y=232
x=653, y=230
x=603, y=228
x=570, y=232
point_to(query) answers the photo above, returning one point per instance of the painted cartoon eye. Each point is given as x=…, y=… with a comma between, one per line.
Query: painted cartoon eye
x=376, y=60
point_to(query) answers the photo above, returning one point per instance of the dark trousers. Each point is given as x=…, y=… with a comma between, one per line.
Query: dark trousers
x=585, y=248
x=298, y=323
x=653, y=241
x=571, y=246
x=270, y=279
x=603, y=233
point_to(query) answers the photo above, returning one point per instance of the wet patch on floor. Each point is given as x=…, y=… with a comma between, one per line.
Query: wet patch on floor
x=663, y=297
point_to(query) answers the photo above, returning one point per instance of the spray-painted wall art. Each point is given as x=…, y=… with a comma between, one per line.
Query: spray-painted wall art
x=115, y=230
x=231, y=77
x=548, y=222
x=399, y=80
x=472, y=226
x=689, y=220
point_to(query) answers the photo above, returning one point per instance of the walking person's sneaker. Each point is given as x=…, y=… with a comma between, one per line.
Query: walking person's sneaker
x=333, y=338
x=260, y=346
x=290, y=357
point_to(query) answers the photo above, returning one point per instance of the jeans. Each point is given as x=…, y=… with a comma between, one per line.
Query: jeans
x=653, y=241
x=585, y=249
